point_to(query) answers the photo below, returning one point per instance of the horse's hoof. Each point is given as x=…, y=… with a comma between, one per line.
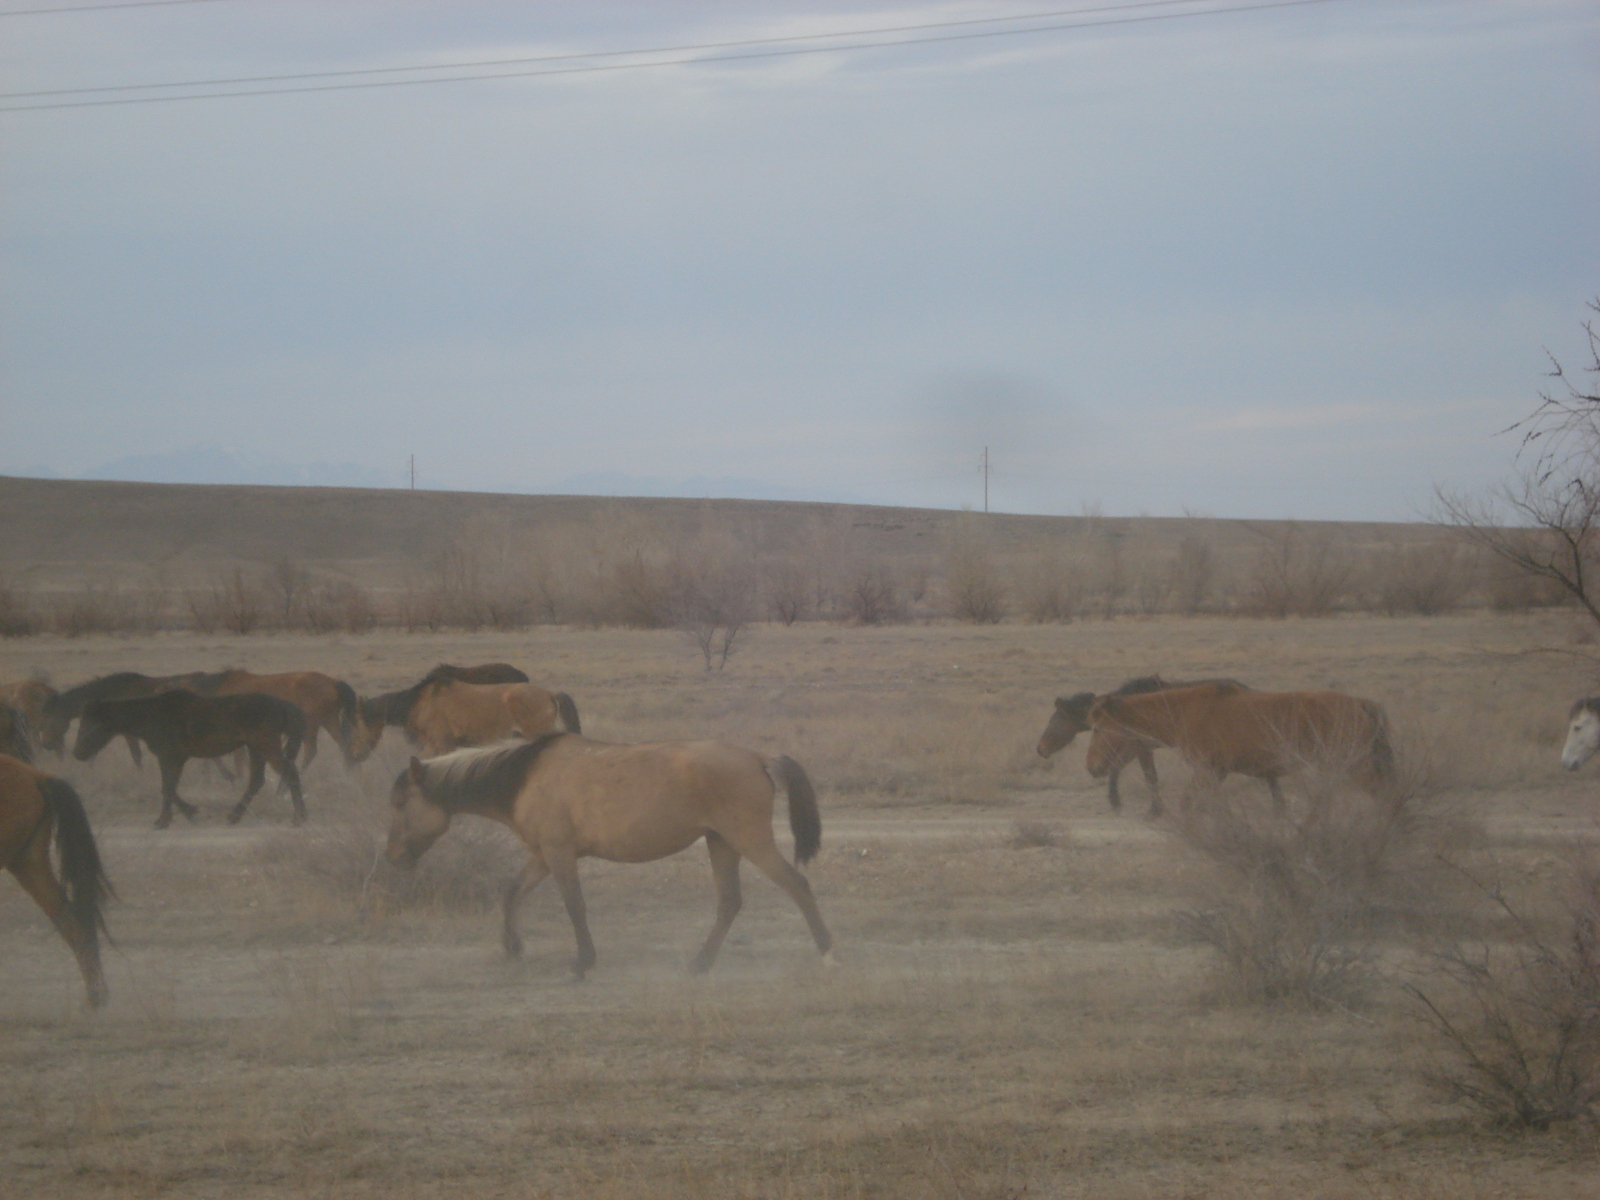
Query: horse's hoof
x=297, y=819
x=699, y=967
x=512, y=944
x=829, y=962
x=234, y=816
x=163, y=822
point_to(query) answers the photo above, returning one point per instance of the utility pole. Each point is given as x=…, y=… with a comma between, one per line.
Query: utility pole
x=986, y=479
x=413, y=472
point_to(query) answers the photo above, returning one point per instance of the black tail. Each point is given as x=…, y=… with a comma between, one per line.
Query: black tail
x=348, y=706
x=568, y=712
x=805, y=822
x=83, y=875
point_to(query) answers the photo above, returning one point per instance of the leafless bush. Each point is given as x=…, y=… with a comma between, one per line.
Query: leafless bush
x=873, y=598
x=1521, y=1019
x=231, y=602
x=287, y=585
x=710, y=596
x=1425, y=580
x=467, y=870
x=1293, y=907
x=1297, y=572
x=1049, y=590
x=17, y=616
x=96, y=608
x=1192, y=574
x=976, y=592
x=338, y=604
x=788, y=592
x=1511, y=588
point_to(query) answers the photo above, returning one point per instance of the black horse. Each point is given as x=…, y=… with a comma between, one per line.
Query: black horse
x=179, y=725
x=61, y=709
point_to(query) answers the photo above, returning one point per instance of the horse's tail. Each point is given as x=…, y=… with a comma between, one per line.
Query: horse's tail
x=83, y=876
x=348, y=704
x=805, y=821
x=568, y=712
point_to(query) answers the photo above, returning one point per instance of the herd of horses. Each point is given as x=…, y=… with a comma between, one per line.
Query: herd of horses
x=490, y=743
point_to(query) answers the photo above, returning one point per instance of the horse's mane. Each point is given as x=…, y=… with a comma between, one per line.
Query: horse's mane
x=74, y=698
x=481, y=776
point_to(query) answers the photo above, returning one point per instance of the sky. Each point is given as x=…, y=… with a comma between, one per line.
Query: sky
x=1303, y=261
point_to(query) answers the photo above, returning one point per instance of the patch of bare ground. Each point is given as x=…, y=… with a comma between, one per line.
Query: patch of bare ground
x=1019, y=1009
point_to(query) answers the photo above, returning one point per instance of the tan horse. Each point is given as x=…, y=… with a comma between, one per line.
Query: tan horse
x=329, y=704
x=376, y=713
x=28, y=698
x=33, y=806
x=450, y=715
x=568, y=797
x=1227, y=728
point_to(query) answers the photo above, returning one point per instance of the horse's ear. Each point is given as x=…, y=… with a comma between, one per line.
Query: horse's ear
x=415, y=771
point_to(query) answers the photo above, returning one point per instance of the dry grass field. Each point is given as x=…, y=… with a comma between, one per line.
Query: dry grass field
x=1022, y=1008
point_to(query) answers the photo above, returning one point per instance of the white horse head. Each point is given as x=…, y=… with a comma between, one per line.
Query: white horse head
x=1583, y=733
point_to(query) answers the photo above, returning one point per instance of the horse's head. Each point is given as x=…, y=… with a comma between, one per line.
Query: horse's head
x=1583, y=733
x=366, y=729
x=50, y=723
x=416, y=822
x=95, y=729
x=1070, y=718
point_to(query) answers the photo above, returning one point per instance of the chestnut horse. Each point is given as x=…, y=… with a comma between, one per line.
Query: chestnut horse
x=1071, y=717
x=33, y=807
x=568, y=797
x=394, y=708
x=1223, y=728
x=328, y=704
x=179, y=725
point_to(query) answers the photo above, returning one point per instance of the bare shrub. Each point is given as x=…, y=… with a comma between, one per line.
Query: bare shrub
x=1520, y=1019
x=231, y=602
x=287, y=585
x=1192, y=574
x=788, y=592
x=96, y=608
x=1292, y=907
x=873, y=597
x=1511, y=588
x=467, y=870
x=1424, y=580
x=17, y=616
x=1296, y=572
x=976, y=592
x=710, y=596
x=1050, y=590
x=338, y=604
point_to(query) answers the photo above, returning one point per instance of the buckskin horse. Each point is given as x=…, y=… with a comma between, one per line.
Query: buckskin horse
x=568, y=797
x=179, y=725
x=1071, y=717
x=33, y=807
x=1583, y=733
x=1227, y=728
x=377, y=713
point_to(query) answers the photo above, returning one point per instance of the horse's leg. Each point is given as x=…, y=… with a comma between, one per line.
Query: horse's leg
x=135, y=750
x=258, y=775
x=1113, y=796
x=39, y=881
x=725, y=874
x=1147, y=763
x=290, y=774
x=532, y=876
x=564, y=866
x=1279, y=805
x=309, y=751
x=171, y=772
x=771, y=863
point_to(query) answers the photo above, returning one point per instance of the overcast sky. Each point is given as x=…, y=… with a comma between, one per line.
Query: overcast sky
x=1302, y=261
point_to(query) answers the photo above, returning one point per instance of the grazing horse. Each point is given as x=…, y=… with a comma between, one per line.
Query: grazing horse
x=60, y=709
x=328, y=704
x=394, y=708
x=1118, y=749
x=568, y=797
x=33, y=806
x=179, y=725
x=1223, y=728
x=1583, y=733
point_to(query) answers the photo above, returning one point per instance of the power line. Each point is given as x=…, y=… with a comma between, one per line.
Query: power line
x=605, y=67
x=74, y=8
x=551, y=58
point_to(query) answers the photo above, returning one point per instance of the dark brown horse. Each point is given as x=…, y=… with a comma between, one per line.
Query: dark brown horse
x=329, y=704
x=58, y=710
x=568, y=797
x=179, y=725
x=1226, y=728
x=377, y=713
x=34, y=807
x=1117, y=750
